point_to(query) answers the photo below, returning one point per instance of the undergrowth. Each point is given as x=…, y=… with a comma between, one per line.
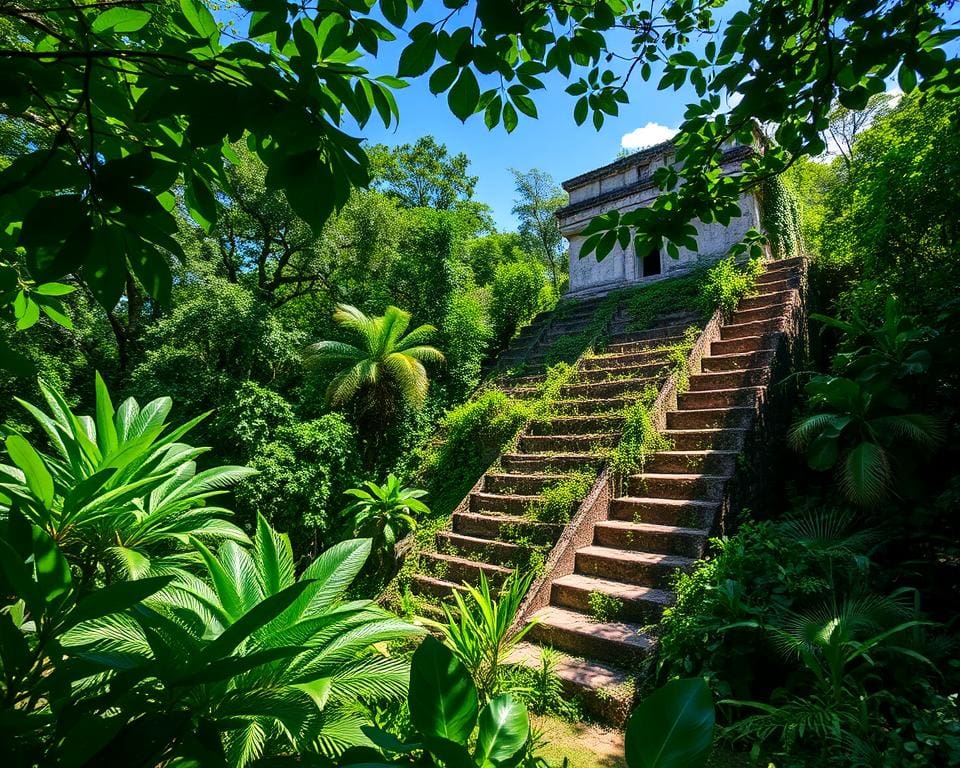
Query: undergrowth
x=558, y=502
x=639, y=440
x=726, y=282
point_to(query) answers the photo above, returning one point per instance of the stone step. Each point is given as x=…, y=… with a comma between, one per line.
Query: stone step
x=566, y=443
x=780, y=298
x=757, y=328
x=620, y=345
x=585, y=406
x=706, y=439
x=660, y=333
x=744, y=377
x=677, y=486
x=737, y=362
x=457, y=570
x=706, y=462
x=777, y=284
x=640, y=604
x=528, y=380
x=607, y=361
x=524, y=484
x=649, y=537
x=776, y=275
x=713, y=418
x=558, y=462
x=580, y=635
x=576, y=425
x=602, y=389
x=746, y=345
x=522, y=393
x=504, y=527
x=769, y=312
x=606, y=692
x=684, y=513
x=501, y=503
x=718, y=398
x=646, y=569
x=430, y=586
x=636, y=371
x=487, y=550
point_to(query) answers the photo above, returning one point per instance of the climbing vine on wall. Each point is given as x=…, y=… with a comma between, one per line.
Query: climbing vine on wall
x=780, y=218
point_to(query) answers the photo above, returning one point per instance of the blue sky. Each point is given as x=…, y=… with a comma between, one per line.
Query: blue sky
x=553, y=143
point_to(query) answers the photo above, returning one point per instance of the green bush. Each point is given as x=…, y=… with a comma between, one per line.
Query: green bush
x=303, y=473
x=467, y=333
x=471, y=436
x=251, y=417
x=639, y=438
x=559, y=501
x=726, y=282
x=514, y=297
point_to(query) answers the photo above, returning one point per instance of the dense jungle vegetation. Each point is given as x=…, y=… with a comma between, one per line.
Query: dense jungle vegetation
x=241, y=353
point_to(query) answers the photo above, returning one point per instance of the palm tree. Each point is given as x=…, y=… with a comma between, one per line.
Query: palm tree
x=387, y=365
x=382, y=513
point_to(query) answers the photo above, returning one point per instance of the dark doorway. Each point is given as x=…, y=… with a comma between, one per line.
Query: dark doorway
x=651, y=264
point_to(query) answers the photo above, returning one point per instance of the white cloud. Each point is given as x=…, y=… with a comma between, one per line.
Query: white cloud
x=650, y=134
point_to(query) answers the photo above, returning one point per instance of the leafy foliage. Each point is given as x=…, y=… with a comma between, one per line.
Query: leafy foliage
x=118, y=492
x=384, y=513
x=422, y=174
x=514, y=297
x=726, y=282
x=672, y=727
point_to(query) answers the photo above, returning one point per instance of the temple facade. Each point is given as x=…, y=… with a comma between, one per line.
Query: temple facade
x=626, y=185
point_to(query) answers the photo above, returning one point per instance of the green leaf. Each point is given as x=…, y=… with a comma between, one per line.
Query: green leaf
x=866, y=473
x=510, y=117
x=54, y=289
x=443, y=78
x=907, y=78
x=106, y=429
x=39, y=480
x=121, y=20
x=503, y=732
x=419, y=56
x=198, y=16
x=115, y=598
x=672, y=727
x=464, y=95
x=443, y=699
x=53, y=570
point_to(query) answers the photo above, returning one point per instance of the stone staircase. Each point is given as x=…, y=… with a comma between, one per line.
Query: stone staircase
x=662, y=522
x=494, y=530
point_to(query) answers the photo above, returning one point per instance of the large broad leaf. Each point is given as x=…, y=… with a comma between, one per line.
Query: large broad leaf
x=115, y=597
x=672, y=727
x=443, y=698
x=28, y=460
x=504, y=729
x=273, y=558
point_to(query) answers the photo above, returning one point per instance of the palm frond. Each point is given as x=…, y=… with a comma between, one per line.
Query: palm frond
x=417, y=337
x=425, y=354
x=806, y=429
x=917, y=428
x=324, y=351
x=410, y=377
x=865, y=474
x=344, y=386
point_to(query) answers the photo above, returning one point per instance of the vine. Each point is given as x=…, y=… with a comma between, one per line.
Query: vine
x=780, y=218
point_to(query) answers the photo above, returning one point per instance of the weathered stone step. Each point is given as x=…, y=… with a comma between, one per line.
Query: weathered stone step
x=706, y=439
x=430, y=586
x=522, y=393
x=781, y=272
x=577, y=425
x=524, y=484
x=620, y=345
x=457, y=569
x=605, y=691
x=707, y=462
x=558, y=462
x=507, y=504
x=528, y=380
x=649, y=537
x=644, y=568
x=580, y=635
x=636, y=371
x=745, y=377
x=608, y=361
x=504, y=527
x=777, y=284
x=737, y=362
x=748, y=344
x=602, y=389
x=487, y=550
x=779, y=298
x=718, y=398
x=677, y=486
x=658, y=333
x=566, y=443
x=713, y=418
x=686, y=513
x=595, y=406
x=760, y=313
x=757, y=328
x=640, y=604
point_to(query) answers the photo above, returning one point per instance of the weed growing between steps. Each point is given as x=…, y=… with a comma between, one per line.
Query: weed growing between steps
x=540, y=689
x=677, y=357
x=559, y=501
x=640, y=439
x=604, y=607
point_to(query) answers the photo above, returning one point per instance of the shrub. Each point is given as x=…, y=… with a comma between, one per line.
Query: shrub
x=514, y=297
x=726, y=282
x=251, y=417
x=559, y=501
x=639, y=438
x=467, y=333
x=303, y=473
